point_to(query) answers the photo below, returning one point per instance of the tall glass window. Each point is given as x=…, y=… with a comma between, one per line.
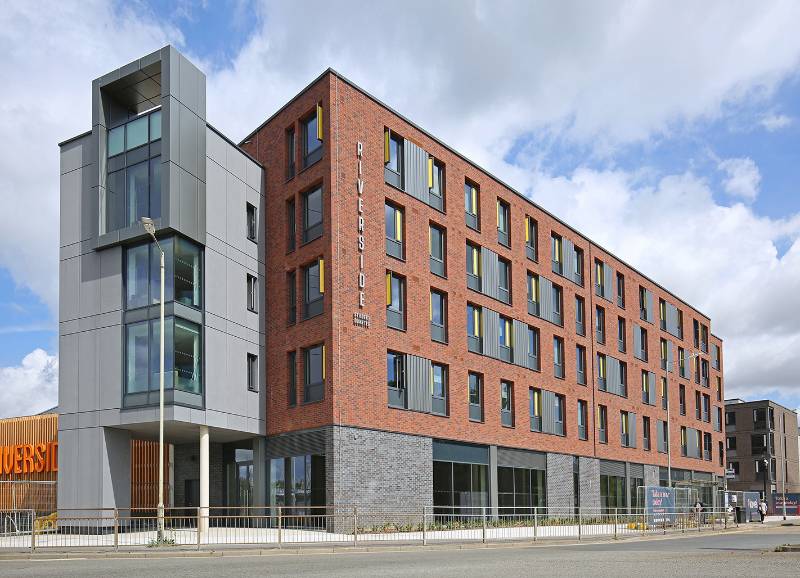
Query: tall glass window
x=459, y=487
x=314, y=360
x=312, y=146
x=519, y=490
x=182, y=273
x=312, y=215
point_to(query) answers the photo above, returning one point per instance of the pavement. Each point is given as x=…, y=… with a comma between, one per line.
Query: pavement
x=746, y=552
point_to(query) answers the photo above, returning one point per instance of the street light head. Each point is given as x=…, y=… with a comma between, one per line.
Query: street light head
x=148, y=225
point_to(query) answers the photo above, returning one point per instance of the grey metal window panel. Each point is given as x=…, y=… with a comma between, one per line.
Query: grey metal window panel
x=415, y=171
x=520, y=343
x=512, y=458
x=489, y=273
x=417, y=374
x=608, y=280
x=660, y=426
x=445, y=451
x=608, y=468
x=715, y=356
x=548, y=411
x=568, y=250
x=546, y=300
x=672, y=320
x=614, y=376
x=637, y=342
x=649, y=304
x=298, y=444
x=651, y=393
x=631, y=430
x=716, y=421
x=491, y=333
x=670, y=356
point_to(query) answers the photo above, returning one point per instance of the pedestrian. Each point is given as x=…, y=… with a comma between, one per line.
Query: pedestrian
x=762, y=509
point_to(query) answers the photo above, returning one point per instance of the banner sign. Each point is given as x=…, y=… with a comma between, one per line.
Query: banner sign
x=792, y=504
x=751, y=506
x=659, y=503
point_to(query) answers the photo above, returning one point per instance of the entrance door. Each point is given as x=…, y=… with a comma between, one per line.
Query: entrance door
x=191, y=493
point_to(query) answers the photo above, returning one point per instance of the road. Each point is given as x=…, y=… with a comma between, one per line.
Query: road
x=735, y=554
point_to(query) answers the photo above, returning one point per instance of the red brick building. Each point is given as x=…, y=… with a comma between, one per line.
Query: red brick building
x=435, y=338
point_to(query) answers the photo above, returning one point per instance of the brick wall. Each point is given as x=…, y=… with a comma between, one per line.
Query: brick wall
x=589, y=483
x=560, y=484
x=187, y=467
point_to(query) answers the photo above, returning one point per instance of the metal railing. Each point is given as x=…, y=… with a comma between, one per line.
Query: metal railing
x=342, y=525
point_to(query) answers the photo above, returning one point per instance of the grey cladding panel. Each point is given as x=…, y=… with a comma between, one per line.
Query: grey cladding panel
x=491, y=333
x=546, y=299
x=548, y=411
x=520, y=343
x=568, y=249
x=612, y=468
x=649, y=304
x=613, y=376
x=298, y=444
x=418, y=371
x=670, y=356
x=660, y=436
x=636, y=470
x=632, y=429
x=637, y=340
x=672, y=320
x=507, y=457
x=415, y=169
x=456, y=452
x=490, y=277
x=608, y=280
x=651, y=382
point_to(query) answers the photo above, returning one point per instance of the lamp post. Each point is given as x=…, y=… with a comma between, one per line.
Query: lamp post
x=150, y=228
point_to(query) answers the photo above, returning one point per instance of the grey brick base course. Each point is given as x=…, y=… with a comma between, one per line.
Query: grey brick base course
x=589, y=482
x=560, y=498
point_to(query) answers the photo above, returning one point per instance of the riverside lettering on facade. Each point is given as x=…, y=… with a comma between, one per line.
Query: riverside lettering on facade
x=29, y=458
x=362, y=281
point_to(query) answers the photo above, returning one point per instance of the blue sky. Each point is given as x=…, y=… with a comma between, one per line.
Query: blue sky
x=653, y=146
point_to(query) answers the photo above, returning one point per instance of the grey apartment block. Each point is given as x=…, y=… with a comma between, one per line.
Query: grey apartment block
x=205, y=183
x=589, y=482
x=560, y=484
x=381, y=470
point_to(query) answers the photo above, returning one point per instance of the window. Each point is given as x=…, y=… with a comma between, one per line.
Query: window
x=697, y=404
x=602, y=423
x=503, y=224
x=706, y=408
x=436, y=183
x=312, y=138
x=503, y=281
x=505, y=332
x=580, y=364
x=393, y=158
x=580, y=315
x=314, y=362
x=558, y=357
x=558, y=415
x=612, y=493
x=600, y=279
x=473, y=267
x=642, y=351
x=507, y=403
x=684, y=446
x=556, y=254
x=578, y=265
x=719, y=388
x=396, y=379
x=252, y=372
x=620, y=290
x=682, y=398
x=626, y=429
x=644, y=303
x=438, y=251
x=182, y=273
x=531, y=238
x=462, y=485
x=438, y=389
x=182, y=356
x=600, y=324
x=291, y=367
x=520, y=488
x=291, y=229
x=662, y=314
x=583, y=413
x=735, y=467
x=557, y=301
x=664, y=354
x=535, y=403
x=533, y=348
x=474, y=332
x=646, y=387
x=601, y=372
x=291, y=297
x=394, y=231
x=313, y=288
x=533, y=294
x=646, y=432
x=730, y=418
x=290, y=153
x=252, y=293
x=438, y=316
x=621, y=334
x=730, y=443
x=471, y=205
x=707, y=446
x=475, y=397
x=395, y=301
x=664, y=393
x=312, y=215
x=252, y=223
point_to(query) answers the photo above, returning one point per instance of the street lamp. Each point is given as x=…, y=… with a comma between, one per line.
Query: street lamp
x=150, y=228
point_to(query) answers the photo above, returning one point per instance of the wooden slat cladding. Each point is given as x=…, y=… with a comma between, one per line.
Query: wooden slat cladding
x=144, y=474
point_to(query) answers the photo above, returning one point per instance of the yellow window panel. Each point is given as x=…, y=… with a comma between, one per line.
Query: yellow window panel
x=386, y=145
x=474, y=208
x=398, y=225
x=476, y=321
x=388, y=289
x=322, y=275
x=319, y=121
x=430, y=172
x=323, y=363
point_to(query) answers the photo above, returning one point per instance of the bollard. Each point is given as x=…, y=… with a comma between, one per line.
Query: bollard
x=116, y=529
x=483, y=532
x=535, y=524
x=355, y=525
x=615, y=523
x=579, y=524
x=424, y=536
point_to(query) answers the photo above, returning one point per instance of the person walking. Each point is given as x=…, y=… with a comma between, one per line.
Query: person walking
x=762, y=509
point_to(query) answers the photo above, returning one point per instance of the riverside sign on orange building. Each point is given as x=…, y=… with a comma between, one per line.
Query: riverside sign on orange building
x=21, y=459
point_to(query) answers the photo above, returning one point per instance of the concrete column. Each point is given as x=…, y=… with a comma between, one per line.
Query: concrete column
x=260, y=471
x=493, y=480
x=204, y=474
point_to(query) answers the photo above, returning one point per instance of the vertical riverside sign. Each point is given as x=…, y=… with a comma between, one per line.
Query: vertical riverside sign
x=360, y=319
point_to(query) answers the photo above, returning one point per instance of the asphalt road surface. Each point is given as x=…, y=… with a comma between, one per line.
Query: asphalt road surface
x=736, y=554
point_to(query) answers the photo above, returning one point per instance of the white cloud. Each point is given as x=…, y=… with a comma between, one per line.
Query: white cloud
x=743, y=178
x=30, y=387
x=773, y=122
